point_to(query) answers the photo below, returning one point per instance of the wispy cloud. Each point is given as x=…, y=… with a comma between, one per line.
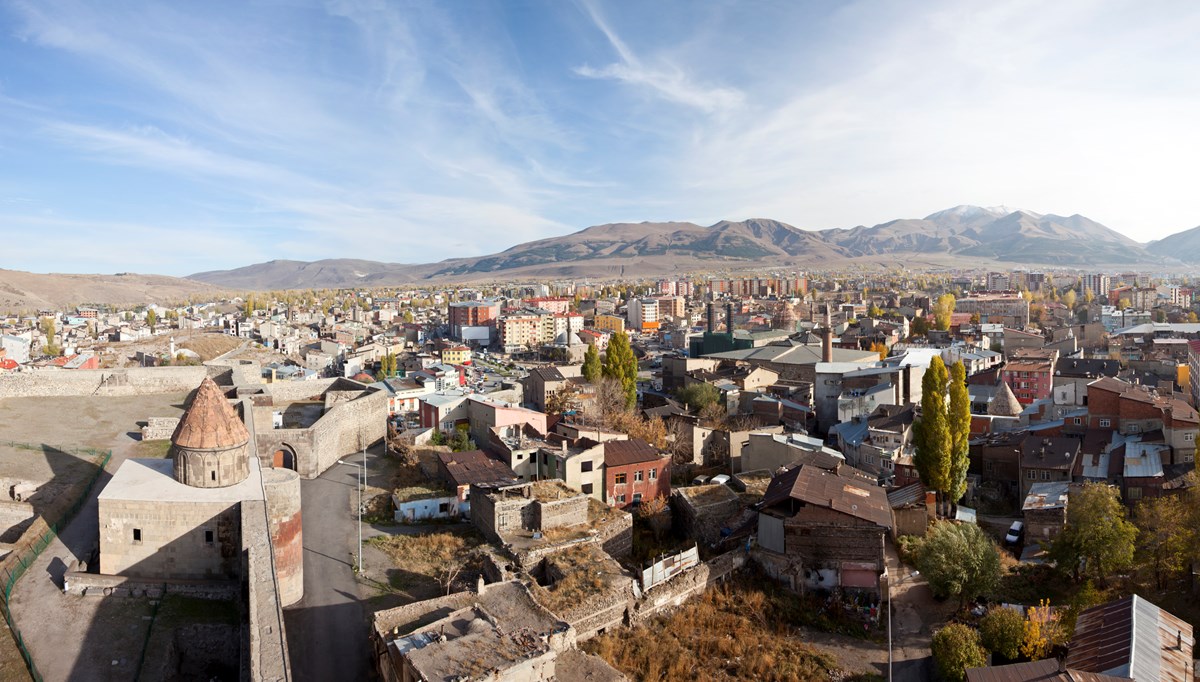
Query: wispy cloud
x=665, y=79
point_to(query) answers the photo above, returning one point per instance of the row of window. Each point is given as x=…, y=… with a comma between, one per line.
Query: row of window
x=621, y=478
x=620, y=499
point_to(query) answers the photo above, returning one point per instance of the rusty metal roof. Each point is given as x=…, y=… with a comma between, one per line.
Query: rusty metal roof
x=834, y=490
x=1132, y=638
x=633, y=451
x=210, y=422
x=1047, y=670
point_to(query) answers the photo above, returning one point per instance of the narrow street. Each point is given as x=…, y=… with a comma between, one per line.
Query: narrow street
x=327, y=630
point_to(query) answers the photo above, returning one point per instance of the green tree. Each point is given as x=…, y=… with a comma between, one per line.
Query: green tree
x=698, y=396
x=1097, y=540
x=408, y=316
x=1165, y=537
x=151, y=319
x=1002, y=630
x=956, y=648
x=942, y=311
x=959, y=560
x=591, y=369
x=958, y=421
x=919, y=326
x=931, y=433
x=48, y=330
x=621, y=364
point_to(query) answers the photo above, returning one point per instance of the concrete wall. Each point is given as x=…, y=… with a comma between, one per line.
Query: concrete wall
x=98, y=585
x=264, y=645
x=173, y=542
x=561, y=513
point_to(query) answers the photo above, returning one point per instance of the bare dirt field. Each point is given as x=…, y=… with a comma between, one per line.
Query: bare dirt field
x=71, y=637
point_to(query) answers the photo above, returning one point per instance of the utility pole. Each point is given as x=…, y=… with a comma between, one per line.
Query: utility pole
x=361, y=476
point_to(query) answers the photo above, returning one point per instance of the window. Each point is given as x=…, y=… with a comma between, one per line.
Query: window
x=137, y=534
x=654, y=474
x=1031, y=475
x=1134, y=428
x=1105, y=423
x=1045, y=475
x=1135, y=493
x=586, y=488
x=444, y=508
x=585, y=466
x=1189, y=436
x=208, y=537
x=989, y=466
x=638, y=476
x=637, y=498
x=1077, y=421
x=619, y=479
x=620, y=499
x=520, y=457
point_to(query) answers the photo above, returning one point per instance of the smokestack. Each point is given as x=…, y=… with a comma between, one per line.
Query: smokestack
x=712, y=318
x=827, y=338
x=729, y=317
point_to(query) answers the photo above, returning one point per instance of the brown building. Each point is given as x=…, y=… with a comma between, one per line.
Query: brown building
x=635, y=470
x=1050, y=459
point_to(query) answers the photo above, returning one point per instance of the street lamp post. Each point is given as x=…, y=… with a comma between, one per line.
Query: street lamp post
x=361, y=474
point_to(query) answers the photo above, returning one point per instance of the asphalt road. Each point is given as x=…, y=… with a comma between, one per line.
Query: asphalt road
x=327, y=631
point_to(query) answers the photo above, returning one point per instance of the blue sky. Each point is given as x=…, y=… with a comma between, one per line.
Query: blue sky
x=174, y=137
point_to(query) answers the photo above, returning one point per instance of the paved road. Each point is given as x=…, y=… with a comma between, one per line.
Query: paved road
x=327, y=630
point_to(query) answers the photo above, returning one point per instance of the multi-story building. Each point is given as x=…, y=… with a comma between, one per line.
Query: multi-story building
x=1008, y=309
x=520, y=330
x=672, y=306
x=1098, y=284
x=642, y=314
x=551, y=304
x=609, y=323
x=1030, y=375
x=473, y=320
x=635, y=471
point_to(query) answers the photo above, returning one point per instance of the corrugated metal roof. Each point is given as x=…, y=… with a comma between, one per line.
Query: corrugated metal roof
x=1133, y=638
x=632, y=451
x=1034, y=671
x=832, y=490
x=1046, y=496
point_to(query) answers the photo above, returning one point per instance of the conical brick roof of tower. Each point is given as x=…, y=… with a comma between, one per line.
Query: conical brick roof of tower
x=210, y=422
x=1004, y=403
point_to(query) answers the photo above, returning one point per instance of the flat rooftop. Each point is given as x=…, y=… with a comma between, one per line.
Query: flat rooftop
x=153, y=480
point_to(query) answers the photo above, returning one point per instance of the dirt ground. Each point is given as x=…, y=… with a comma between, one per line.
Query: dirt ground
x=64, y=631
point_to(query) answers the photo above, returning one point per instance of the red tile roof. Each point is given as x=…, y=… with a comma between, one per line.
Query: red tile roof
x=210, y=422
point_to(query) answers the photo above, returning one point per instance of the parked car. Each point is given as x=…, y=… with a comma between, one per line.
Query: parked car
x=723, y=479
x=700, y=480
x=1016, y=533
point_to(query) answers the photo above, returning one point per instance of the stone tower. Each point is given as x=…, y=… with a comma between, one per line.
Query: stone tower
x=209, y=447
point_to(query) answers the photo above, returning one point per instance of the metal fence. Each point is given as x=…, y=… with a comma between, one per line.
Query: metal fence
x=36, y=539
x=667, y=567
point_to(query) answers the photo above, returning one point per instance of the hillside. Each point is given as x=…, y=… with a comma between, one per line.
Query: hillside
x=962, y=235
x=20, y=291
x=1184, y=246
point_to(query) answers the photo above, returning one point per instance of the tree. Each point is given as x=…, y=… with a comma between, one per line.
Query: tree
x=1002, y=631
x=956, y=648
x=931, y=433
x=1088, y=296
x=50, y=347
x=1164, y=535
x=1123, y=304
x=959, y=424
x=959, y=560
x=563, y=400
x=1043, y=632
x=621, y=364
x=591, y=364
x=407, y=316
x=874, y=311
x=1098, y=540
x=942, y=310
x=919, y=327
x=881, y=348
x=1192, y=317
x=1069, y=298
x=151, y=319
x=698, y=396
x=1160, y=315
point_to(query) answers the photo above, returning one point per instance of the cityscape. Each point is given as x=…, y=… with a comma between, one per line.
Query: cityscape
x=374, y=340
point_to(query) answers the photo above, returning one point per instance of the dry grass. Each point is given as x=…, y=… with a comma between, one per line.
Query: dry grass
x=587, y=572
x=151, y=449
x=735, y=631
x=421, y=560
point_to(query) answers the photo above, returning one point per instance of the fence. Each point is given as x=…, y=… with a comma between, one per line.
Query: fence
x=36, y=539
x=667, y=567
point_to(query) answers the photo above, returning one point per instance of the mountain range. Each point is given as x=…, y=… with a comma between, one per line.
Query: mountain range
x=959, y=236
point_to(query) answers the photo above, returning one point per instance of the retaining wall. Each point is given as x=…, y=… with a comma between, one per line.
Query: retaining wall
x=99, y=585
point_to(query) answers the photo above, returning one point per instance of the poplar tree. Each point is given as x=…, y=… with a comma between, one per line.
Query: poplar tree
x=621, y=364
x=959, y=422
x=931, y=433
x=591, y=364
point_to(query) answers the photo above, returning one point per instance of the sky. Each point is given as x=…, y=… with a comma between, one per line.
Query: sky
x=178, y=137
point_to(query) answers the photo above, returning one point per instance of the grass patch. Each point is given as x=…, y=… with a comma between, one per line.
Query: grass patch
x=739, y=630
x=152, y=449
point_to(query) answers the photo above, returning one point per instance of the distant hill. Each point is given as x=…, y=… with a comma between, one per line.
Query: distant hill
x=20, y=291
x=1184, y=246
x=293, y=274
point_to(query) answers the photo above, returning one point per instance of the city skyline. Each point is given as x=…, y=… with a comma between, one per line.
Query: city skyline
x=161, y=140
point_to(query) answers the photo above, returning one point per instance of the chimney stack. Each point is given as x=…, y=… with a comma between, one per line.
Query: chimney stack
x=712, y=318
x=729, y=317
x=827, y=339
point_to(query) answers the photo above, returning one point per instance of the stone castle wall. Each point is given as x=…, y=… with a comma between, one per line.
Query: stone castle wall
x=173, y=542
x=264, y=645
x=282, y=490
x=105, y=382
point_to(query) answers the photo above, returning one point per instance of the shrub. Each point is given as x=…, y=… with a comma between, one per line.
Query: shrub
x=956, y=648
x=1002, y=631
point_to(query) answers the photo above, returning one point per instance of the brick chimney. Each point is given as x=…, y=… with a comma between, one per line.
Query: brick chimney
x=827, y=338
